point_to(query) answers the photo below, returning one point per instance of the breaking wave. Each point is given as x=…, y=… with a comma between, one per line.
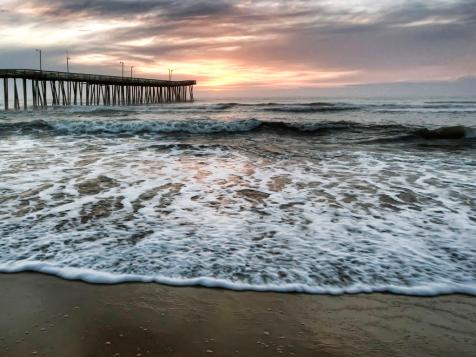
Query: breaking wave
x=132, y=127
x=449, y=132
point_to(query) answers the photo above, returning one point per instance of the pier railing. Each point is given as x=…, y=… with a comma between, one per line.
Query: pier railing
x=65, y=88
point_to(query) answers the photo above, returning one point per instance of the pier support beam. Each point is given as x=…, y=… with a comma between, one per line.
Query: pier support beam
x=5, y=93
x=80, y=93
x=33, y=93
x=45, y=103
x=25, y=98
x=16, y=101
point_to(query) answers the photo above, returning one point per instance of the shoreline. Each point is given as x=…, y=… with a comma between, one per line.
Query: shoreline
x=104, y=278
x=45, y=315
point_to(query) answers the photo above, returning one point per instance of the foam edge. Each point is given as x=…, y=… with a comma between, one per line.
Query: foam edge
x=97, y=277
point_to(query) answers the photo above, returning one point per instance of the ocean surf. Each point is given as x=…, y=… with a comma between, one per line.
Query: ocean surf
x=305, y=196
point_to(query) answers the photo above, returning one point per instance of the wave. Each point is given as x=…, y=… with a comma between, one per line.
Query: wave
x=449, y=132
x=97, y=110
x=313, y=109
x=449, y=135
x=134, y=127
x=451, y=102
x=268, y=106
x=330, y=107
x=447, y=111
x=191, y=126
x=222, y=106
x=99, y=277
x=130, y=127
x=324, y=107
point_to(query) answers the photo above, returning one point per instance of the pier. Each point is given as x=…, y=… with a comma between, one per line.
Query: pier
x=51, y=88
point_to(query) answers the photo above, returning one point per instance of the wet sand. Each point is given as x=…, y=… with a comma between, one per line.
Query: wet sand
x=47, y=316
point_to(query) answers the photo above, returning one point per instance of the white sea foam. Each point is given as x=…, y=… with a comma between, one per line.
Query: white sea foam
x=151, y=126
x=98, y=277
x=133, y=210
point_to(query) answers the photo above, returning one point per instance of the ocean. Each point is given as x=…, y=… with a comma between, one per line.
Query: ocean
x=299, y=195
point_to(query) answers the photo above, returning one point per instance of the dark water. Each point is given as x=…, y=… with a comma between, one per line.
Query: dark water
x=298, y=195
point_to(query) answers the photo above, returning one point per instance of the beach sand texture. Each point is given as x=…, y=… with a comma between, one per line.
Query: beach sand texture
x=47, y=316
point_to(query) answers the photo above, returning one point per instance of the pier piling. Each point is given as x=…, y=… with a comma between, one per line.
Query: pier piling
x=5, y=92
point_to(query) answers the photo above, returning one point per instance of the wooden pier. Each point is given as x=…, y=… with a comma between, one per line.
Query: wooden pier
x=63, y=88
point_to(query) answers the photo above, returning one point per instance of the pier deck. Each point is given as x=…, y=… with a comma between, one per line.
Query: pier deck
x=65, y=88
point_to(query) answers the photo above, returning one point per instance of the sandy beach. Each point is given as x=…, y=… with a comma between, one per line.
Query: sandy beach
x=47, y=316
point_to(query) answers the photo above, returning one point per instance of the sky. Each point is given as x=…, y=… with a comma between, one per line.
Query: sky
x=249, y=47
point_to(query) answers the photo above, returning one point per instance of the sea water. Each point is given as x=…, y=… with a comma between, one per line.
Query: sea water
x=318, y=196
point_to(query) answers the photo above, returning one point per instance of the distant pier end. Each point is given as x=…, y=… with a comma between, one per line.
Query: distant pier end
x=63, y=88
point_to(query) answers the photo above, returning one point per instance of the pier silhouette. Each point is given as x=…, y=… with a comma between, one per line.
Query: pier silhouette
x=52, y=88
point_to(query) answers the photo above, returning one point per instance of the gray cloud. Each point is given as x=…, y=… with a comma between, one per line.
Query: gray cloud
x=128, y=8
x=105, y=8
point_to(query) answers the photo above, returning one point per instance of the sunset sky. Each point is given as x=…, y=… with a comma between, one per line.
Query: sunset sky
x=240, y=45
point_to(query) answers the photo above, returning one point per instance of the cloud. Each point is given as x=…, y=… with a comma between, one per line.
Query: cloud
x=284, y=43
x=129, y=8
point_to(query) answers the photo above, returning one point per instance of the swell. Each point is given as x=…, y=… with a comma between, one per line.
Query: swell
x=313, y=107
x=266, y=106
x=335, y=107
x=449, y=135
x=99, y=277
x=451, y=102
x=134, y=127
x=456, y=107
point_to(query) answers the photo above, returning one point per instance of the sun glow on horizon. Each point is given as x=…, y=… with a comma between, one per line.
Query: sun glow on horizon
x=219, y=75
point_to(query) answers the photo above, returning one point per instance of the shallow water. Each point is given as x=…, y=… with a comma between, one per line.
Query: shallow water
x=318, y=196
